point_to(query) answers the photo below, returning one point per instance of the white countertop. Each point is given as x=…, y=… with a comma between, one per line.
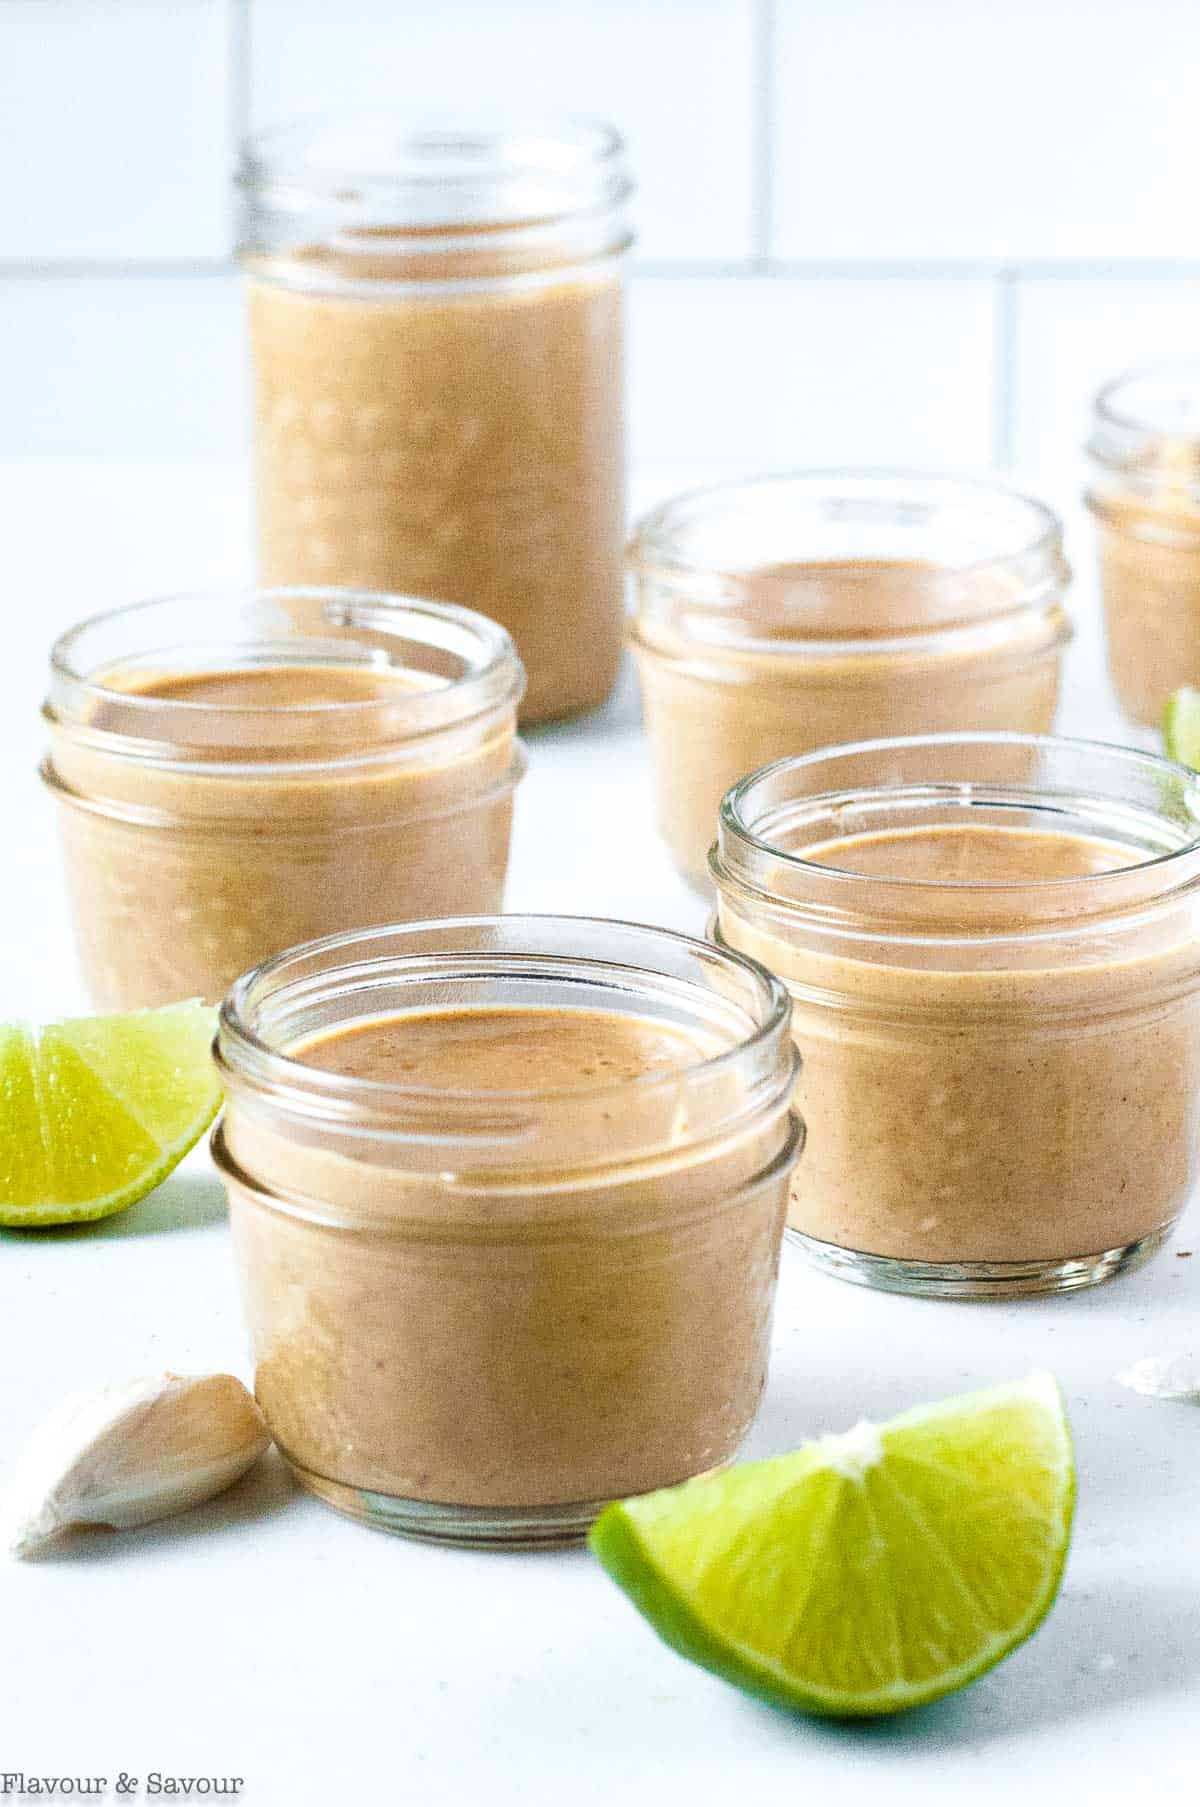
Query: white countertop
x=264, y=1637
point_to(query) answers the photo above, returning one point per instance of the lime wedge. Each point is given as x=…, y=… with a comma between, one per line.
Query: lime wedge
x=867, y=1572
x=95, y=1112
x=1181, y=727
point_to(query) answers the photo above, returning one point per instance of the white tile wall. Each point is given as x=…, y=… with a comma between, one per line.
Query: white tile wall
x=817, y=371
x=677, y=80
x=121, y=366
x=869, y=229
x=1038, y=129
x=1073, y=334
x=116, y=123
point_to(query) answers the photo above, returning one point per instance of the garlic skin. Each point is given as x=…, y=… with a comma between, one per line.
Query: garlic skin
x=125, y=1455
x=1164, y=1377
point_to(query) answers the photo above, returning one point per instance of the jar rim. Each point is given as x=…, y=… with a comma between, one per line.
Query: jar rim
x=653, y=543
x=425, y=170
x=749, y=857
x=1183, y=375
x=360, y=957
x=850, y=508
x=491, y=673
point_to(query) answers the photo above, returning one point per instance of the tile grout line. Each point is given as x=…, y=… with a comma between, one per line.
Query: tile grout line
x=691, y=269
x=237, y=75
x=69, y=269
x=239, y=70
x=762, y=115
x=1004, y=385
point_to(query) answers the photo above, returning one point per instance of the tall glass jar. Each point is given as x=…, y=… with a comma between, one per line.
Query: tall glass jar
x=436, y=333
x=992, y=943
x=794, y=612
x=1144, y=493
x=480, y=1311
x=235, y=774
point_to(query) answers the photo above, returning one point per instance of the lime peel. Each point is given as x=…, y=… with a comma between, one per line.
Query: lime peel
x=868, y=1572
x=1181, y=727
x=95, y=1112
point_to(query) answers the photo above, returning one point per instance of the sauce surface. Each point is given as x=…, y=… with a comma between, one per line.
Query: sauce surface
x=505, y=1049
x=259, y=708
x=866, y=598
x=958, y=853
x=282, y=686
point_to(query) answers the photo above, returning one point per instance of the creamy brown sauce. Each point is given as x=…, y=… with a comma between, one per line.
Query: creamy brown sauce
x=957, y=853
x=243, y=700
x=861, y=598
x=997, y=1100
x=504, y=1050
x=283, y=686
x=464, y=445
x=1149, y=549
x=276, y=817
x=580, y=1312
x=716, y=712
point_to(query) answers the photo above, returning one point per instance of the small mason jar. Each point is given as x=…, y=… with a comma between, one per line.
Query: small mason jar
x=992, y=944
x=793, y=612
x=235, y=774
x=489, y=1285
x=1144, y=493
x=436, y=337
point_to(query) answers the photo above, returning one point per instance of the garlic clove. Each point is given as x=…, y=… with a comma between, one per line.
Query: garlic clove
x=125, y=1455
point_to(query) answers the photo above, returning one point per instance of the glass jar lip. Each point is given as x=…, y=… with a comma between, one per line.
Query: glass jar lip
x=654, y=542
x=242, y=1050
x=1145, y=435
x=734, y=828
x=430, y=169
x=492, y=673
x=1025, y=559
x=1112, y=406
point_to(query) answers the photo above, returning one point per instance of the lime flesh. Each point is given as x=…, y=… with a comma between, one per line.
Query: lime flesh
x=1181, y=727
x=868, y=1572
x=96, y=1111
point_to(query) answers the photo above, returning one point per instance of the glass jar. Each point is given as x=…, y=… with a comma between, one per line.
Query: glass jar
x=801, y=611
x=993, y=950
x=1144, y=493
x=478, y=1314
x=235, y=774
x=436, y=335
